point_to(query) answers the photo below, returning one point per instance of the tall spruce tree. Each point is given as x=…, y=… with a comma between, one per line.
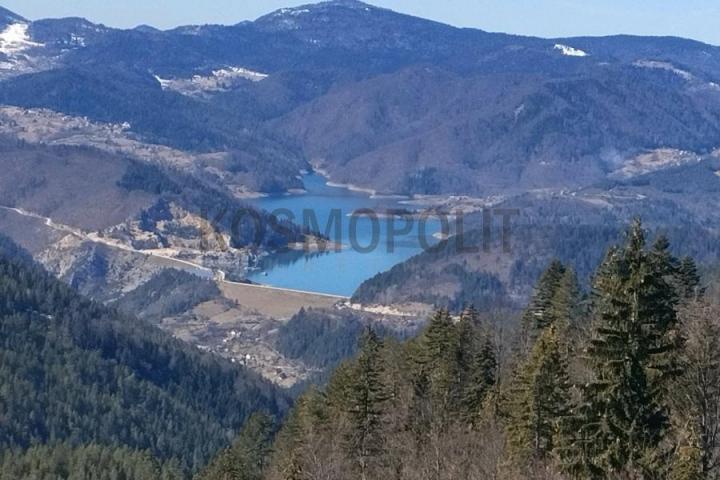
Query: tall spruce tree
x=466, y=347
x=688, y=279
x=367, y=396
x=580, y=433
x=564, y=308
x=540, y=399
x=466, y=343
x=539, y=313
x=633, y=354
x=556, y=301
x=481, y=379
x=438, y=360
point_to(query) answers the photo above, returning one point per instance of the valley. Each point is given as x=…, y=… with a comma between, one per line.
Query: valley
x=238, y=321
x=223, y=246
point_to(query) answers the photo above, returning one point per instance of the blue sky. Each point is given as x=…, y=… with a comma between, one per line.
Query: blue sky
x=696, y=19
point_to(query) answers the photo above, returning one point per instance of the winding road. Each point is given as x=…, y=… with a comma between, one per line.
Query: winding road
x=199, y=270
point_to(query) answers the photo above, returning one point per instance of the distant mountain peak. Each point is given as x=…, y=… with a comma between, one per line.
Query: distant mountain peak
x=347, y=3
x=147, y=29
x=319, y=7
x=337, y=20
x=356, y=4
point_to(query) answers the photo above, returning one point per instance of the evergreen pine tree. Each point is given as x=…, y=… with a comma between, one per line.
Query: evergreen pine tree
x=540, y=399
x=688, y=279
x=421, y=414
x=467, y=344
x=438, y=360
x=564, y=308
x=538, y=316
x=556, y=302
x=633, y=356
x=580, y=433
x=338, y=389
x=367, y=396
x=438, y=338
x=482, y=378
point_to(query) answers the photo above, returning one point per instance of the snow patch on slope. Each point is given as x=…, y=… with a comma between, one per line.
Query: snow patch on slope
x=77, y=40
x=165, y=84
x=292, y=11
x=220, y=80
x=239, y=72
x=15, y=39
x=570, y=51
x=15, y=47
x=667, y=66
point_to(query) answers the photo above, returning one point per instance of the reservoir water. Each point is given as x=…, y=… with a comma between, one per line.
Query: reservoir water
x=340, y=273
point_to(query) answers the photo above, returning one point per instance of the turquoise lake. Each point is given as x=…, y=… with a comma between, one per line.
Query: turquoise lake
x=340, y=273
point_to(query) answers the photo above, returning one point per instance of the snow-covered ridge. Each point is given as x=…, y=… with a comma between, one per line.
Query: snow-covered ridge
x=15, y=39
x=322, y=6
x=292, y=11
x=220, y=80
x=570, y=51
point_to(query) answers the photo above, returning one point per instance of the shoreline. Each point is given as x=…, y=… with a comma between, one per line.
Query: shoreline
x=348, y=186
x=351, y=187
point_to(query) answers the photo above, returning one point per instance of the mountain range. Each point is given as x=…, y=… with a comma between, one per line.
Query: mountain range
x=441, y=110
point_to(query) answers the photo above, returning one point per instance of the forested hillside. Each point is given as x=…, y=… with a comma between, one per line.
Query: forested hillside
x=620, y=382
x=469, y=269
x=91, y=462
x=75, y=371
x=322, y=339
